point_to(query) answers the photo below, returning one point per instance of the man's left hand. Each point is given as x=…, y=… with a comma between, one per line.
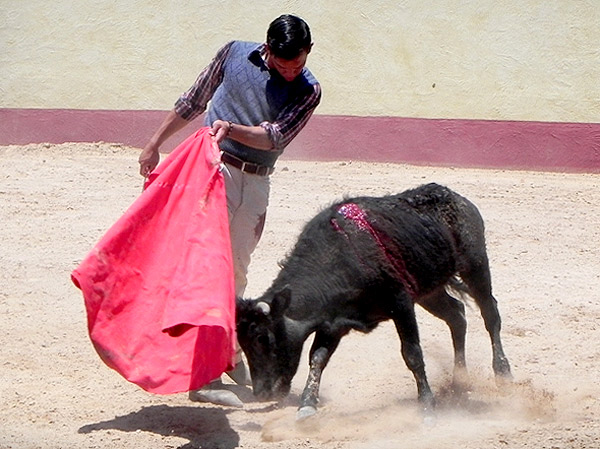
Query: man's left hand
x=219, y=130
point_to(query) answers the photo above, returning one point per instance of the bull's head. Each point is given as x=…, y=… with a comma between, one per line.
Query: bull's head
x=272, y=352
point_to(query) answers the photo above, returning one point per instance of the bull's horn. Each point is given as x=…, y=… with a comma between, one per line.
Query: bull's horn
x=263, y=307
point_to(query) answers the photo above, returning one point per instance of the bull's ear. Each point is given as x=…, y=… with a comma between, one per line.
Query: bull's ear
x=239, y=302
x=280, y=302
x=241, y=308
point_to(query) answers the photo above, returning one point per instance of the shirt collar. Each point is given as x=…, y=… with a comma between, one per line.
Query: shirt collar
x=258, y=57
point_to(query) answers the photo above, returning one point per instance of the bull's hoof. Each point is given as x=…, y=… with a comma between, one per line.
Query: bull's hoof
x=502, y=369
x=504, y=377
x=429, y=415
x=305, y=412
x=504, y=383
x=461, y=381
x=429, y=420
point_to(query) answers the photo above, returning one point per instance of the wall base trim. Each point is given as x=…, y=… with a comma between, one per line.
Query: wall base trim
x=547, y=146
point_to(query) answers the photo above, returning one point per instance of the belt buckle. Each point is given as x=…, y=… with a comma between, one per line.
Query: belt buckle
x=243, y=167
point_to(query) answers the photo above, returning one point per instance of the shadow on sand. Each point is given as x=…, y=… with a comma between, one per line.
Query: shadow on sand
x=203, y=427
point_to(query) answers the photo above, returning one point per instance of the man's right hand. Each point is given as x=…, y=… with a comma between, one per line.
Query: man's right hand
x=149, y=159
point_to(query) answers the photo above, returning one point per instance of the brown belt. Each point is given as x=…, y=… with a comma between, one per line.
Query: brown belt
x=246, y=167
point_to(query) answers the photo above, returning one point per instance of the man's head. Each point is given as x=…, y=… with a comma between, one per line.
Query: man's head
x=288, y=45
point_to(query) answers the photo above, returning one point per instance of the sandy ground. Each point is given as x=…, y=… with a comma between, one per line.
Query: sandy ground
x=543, y=233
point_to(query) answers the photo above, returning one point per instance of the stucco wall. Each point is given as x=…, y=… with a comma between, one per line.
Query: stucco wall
x=484, y=59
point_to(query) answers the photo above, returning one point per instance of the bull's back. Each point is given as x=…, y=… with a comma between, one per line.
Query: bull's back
x=460, y=216
x=399, y=239
x=357, y=252
x=415, y=236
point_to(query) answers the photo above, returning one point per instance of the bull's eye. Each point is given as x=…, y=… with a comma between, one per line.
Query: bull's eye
x=263, y=340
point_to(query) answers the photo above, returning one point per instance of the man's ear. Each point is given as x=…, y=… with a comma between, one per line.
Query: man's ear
x=268, y=50
x=309, y=48
x=281, y=302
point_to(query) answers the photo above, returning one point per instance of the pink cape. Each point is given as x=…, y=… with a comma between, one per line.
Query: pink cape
x=158, y=287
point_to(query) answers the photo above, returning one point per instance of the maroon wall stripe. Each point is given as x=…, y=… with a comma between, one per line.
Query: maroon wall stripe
x=552, y=146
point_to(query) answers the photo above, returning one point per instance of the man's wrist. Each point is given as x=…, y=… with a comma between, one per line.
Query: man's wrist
x=152, y=147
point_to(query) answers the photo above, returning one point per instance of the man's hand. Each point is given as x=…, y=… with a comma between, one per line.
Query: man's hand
x=219, y=130
x=149, y=159
x=252, y=136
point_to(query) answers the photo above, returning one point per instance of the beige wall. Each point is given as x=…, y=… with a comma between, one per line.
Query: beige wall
x=488, y=59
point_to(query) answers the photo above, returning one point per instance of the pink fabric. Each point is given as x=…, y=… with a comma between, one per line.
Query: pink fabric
x=158, y=287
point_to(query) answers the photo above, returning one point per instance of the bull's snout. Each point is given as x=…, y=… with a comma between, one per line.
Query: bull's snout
x=267, y=391
x=264, y=395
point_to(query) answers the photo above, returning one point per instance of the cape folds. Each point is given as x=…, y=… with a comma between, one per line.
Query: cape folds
x=158, y=287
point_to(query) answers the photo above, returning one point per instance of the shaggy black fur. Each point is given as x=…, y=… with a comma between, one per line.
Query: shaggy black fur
x=362, y=261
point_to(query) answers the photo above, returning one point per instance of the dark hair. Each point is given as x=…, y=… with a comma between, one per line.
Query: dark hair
x=287, y=36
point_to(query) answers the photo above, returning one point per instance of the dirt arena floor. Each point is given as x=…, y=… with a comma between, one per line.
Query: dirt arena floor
x=543, y=233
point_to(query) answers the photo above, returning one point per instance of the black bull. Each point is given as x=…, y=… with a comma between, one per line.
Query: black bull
x=362, y=261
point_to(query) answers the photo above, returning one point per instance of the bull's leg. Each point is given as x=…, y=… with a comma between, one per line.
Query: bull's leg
x=478, y=280
x=452, y=311
x=320, y=352
x=406, y=325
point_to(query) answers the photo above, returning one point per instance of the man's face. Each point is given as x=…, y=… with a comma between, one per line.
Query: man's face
x=289, y=69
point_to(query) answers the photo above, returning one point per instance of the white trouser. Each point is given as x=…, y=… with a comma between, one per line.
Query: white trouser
x=247, y=200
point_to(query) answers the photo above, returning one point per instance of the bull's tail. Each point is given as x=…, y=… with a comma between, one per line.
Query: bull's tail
x=458, y=289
